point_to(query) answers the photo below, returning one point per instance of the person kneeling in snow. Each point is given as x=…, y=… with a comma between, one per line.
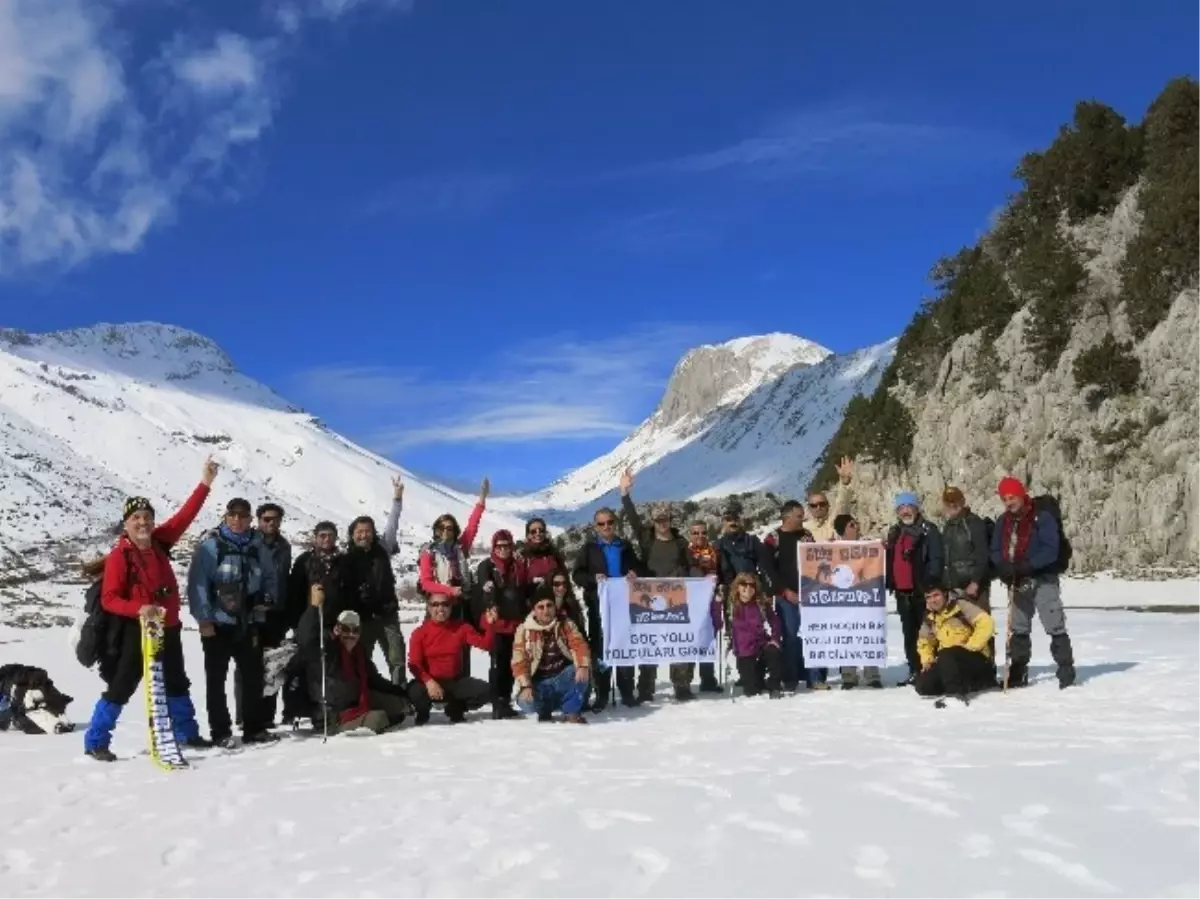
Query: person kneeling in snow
x=435, y=658
x=356, y=695
x=551, y=662
x=953, y=645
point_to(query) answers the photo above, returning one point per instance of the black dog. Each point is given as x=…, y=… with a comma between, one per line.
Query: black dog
x=30, y=701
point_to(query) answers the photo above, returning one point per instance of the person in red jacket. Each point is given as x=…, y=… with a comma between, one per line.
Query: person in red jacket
x=435, y=652
x=503, y=584
x=138, y=576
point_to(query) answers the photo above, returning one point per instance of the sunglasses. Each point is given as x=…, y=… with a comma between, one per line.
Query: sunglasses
x=697, y=533
x=606, y=523
x=347, y=630
x=821, y=505
x=442, y=528
x=536, y=531
x=439, y=605
x=270, y=519
x=500, y=546
x=559, y=583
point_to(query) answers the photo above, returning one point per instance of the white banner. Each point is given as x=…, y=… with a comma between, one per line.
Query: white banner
x=843, y=611
x=656, y=621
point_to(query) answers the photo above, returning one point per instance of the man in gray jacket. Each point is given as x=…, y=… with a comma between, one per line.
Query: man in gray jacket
x=231, y=590
x=966, y=543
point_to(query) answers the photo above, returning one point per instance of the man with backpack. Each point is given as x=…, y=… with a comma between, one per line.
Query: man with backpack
x=914, y=562
x=274, y=629
x=231, y=590
x=1029, y=551
x=966, y=540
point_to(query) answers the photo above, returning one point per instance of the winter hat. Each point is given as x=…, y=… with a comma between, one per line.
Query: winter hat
x=237, y=504
x=502, y=536
x=349, y=618
x=952, y=496
x=907, y=498
x=136, y=504
x=1011, y=486
x=840, y=523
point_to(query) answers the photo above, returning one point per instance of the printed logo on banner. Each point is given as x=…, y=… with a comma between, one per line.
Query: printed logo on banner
x=658, y=602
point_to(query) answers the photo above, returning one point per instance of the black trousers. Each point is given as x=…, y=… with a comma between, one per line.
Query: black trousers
x=242, y=646
x=462, y=695
x=270, y=635
x=126, y=674
x=766, y=667
x=647, y=675
x=910, y=605
x=501, y=676
x=956, y=672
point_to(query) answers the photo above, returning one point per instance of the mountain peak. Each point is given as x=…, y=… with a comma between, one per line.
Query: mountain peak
x=715, y=376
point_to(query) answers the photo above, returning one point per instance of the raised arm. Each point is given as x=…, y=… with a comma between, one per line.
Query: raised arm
x=389, y=541
x=169, y=532
x=472, y=529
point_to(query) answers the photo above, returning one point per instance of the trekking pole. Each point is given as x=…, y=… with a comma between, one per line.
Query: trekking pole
x=324, y=710
x=1008, y=635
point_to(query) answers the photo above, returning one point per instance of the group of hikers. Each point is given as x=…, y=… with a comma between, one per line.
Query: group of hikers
x=519, y=605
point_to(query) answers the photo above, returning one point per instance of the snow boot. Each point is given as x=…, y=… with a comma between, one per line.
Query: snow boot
x=684, y=694
x=456, y=713
x=183, y=720
x=776, y=694
x=101, y=754
x=228, y=743
x=545, y=715
x=421, y=719
x=262, y=736
x=502, y=711
x=574, y=719
x=1060, y=650
x=1020, y=649
x=99, y=732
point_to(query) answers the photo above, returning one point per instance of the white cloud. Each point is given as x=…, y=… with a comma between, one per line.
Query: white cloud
x=557, y=388
x=97, y=147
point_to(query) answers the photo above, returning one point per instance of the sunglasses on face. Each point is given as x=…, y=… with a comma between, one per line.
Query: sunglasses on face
x=560, y=583
x=439, y=605
x=536, y=531
x=500, y=546
x=697, y=533
x=819, y=505
x=347, y=630
x=270, y=519
x=606, y=523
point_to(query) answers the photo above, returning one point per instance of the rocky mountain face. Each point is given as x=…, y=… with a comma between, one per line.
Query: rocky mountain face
x=1109, y=424
x=749, y=415
x=90, y=416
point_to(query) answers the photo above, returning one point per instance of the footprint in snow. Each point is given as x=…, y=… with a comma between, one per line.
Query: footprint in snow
x=181, y=853
x=871, y=864
x=650, y=865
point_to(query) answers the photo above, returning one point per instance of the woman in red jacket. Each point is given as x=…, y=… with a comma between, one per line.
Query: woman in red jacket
x=137, y=576
x=504, y=585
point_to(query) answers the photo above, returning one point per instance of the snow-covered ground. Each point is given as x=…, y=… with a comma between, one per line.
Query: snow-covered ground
x=1088, y=792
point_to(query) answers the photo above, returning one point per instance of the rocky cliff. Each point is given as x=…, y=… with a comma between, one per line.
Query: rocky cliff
x=1105, y=417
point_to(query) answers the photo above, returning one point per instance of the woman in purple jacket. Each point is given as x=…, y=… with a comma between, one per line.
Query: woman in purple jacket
x=757, y=634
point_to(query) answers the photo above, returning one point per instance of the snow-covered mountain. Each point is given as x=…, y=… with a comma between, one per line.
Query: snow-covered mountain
x=750, y=414
x=90, y=416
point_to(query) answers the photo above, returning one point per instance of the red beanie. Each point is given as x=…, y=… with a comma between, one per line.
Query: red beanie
x=1010, y=486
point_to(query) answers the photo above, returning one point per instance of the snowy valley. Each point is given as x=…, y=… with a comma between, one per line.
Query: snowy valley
x=90, y=416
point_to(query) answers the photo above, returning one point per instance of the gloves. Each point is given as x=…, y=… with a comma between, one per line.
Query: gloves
x=1022, y=569
x=1004, y=571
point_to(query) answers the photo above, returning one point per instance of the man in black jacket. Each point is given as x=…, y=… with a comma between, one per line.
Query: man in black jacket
x=606, y=555
x=914, y=562
x=356, y=694
x=783, y=545
x=966, y=541
x=664, y=552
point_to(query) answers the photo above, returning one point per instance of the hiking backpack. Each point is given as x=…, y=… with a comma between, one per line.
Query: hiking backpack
x=1049, y=504
x=93, y=632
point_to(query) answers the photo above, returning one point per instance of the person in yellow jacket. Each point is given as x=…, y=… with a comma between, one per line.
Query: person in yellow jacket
x=954, y=646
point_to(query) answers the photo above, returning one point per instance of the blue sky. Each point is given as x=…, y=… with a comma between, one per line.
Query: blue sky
x=476, y=236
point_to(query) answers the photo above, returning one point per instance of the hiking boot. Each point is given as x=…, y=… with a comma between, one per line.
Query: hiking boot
x=544, y=715
x=684, y=694
x=421, y=719
x=875, y=685
x=456, y=714
x=599, y=704
x=262, y=736
x=574, y=719
x=819, y=685
x=788, y=687
x=197, y=742
x=908, y=681
x=229, y=742
x=849, y=685
x=101, y=754
x=776, y=694
x=502, y=711
x=644, y=696
x=628, y=699
x=710, y=686
x=1066, y=676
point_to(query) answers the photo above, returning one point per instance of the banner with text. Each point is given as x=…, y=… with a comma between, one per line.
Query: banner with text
x=655, y=621
x=843, y=603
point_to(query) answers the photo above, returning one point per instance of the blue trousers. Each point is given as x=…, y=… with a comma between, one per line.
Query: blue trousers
x=794, y=669
x=560, y=692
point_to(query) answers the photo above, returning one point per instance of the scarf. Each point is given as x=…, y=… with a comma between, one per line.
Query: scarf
x=354, y=664
x=704, y=557
x=241, y=541
x=1024, y=526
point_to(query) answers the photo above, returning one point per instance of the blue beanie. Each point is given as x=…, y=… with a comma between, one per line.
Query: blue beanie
x=906, y=499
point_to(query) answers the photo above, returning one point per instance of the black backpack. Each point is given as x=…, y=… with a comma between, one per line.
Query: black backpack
x=1048, y=503
x=93, y=634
